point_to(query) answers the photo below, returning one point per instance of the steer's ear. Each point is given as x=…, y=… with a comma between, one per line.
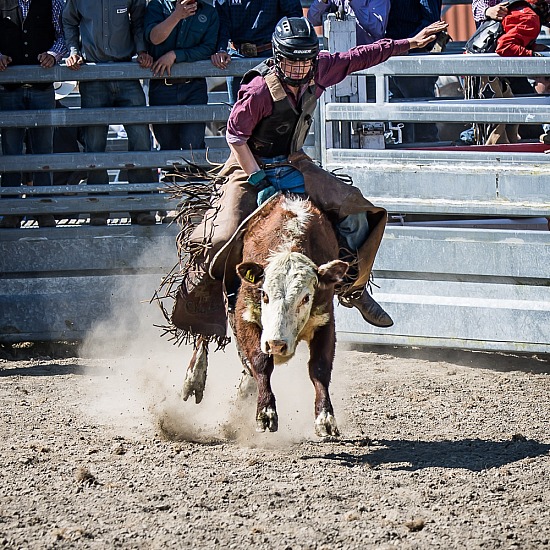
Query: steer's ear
x=332, y=272
x=251, y=272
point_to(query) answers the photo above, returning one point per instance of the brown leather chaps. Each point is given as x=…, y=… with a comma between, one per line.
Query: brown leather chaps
x=199, y=307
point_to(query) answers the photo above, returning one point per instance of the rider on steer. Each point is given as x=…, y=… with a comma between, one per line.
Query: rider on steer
x=265, y=132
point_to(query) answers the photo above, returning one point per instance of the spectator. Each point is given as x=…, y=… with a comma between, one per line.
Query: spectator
x=179, y=31
x=522, y=25
x=371, y=16
x=371, y=20
x=496, y=10
x=406, y=18
x=30, y=34
x=246, y=29
x=483, y=10
x=102, y=31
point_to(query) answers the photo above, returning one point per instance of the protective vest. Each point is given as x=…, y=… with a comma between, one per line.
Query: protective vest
x=24, y=40
x=285, y=130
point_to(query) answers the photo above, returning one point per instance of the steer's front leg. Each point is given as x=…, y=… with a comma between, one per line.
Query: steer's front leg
x=322, y=348
x=248, y=340
x=195, y=376
x=266, y=412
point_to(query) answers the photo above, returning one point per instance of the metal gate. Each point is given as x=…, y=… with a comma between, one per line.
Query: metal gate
x=478, y=279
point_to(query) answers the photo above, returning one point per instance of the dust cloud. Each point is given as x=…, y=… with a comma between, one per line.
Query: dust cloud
x=134, y=378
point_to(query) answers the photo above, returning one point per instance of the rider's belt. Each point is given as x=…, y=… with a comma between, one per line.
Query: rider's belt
x=251, y=50
x=173, y=81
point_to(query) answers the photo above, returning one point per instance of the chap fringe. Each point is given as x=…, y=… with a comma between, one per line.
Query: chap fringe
x=197, y=190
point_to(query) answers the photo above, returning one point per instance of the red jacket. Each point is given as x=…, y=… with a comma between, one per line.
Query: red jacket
x=521, y=28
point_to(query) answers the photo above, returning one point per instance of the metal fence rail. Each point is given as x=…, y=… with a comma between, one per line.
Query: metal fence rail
x=472, y=282
x=468, y=283
x=467, y=184
x=58, y=284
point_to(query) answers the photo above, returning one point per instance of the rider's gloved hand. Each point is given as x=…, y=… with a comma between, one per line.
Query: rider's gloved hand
x=259, y=180
x=265, y=194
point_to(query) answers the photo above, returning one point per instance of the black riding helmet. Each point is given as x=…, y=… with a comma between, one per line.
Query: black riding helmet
x=295, y=39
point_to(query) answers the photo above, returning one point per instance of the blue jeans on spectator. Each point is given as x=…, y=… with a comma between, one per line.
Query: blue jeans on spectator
x=234, y=82
x=179, y=136
x=40, y=139
x=411, y=87
x=118, y=93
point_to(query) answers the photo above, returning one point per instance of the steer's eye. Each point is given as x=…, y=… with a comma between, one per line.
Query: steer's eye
x=305, y=300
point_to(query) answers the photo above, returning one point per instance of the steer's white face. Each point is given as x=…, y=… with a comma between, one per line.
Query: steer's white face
x=290, y=280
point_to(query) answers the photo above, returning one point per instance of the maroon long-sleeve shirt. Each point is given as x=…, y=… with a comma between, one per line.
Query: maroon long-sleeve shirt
x=255, y=102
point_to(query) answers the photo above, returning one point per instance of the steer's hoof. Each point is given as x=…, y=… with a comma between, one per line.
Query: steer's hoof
x=325, y=425
x=267, y=419
x=195, y=377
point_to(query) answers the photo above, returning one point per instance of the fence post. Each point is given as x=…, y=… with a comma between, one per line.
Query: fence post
x=340, y=37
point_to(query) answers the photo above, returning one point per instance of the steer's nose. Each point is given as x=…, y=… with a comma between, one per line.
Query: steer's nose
x=276, y=347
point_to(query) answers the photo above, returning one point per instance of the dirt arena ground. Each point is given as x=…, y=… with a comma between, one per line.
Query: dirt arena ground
x=439, y=450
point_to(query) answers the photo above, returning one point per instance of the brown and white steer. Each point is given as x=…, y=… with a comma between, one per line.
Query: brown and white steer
x=288, y=274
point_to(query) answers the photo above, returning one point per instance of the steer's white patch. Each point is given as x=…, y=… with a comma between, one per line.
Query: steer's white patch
x=252, y=313
x=318, y=318
x=295, y=227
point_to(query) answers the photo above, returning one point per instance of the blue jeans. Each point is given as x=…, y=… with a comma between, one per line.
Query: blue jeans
x=40, y=139
x=118, y=93
x=284, y=177
x=234, y=82
x=353, y=229
x=179, y=136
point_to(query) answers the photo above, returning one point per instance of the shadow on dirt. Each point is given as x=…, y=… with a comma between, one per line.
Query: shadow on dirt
x=494, y=360
x=52, y=369
x=470, y=454
x=25, y=351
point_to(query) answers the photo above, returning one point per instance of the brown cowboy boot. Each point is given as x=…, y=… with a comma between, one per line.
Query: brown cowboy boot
x=371, y=310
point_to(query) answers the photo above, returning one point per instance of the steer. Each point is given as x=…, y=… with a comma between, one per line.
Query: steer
x=288, y=274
